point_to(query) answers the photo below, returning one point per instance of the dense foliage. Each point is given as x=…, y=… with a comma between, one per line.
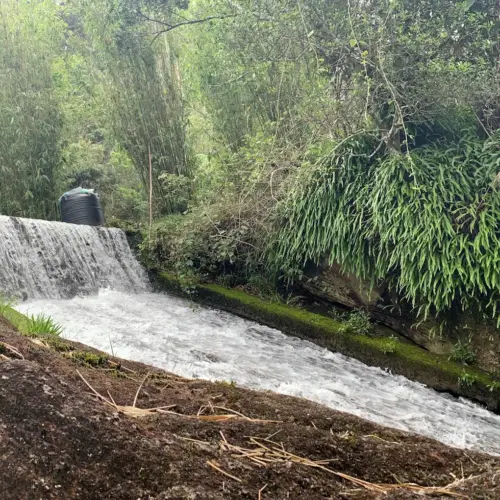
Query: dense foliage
x=428, y=223
x=30, y=120
x=280, y=133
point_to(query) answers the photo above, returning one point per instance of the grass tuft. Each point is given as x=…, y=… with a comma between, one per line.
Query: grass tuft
x=41, y=324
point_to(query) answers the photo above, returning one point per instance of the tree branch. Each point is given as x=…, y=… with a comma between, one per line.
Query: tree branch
x=170, y=27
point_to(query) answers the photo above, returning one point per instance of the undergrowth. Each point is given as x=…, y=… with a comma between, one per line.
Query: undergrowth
x=223, y=234
x=426, y=223
x=463, y=353
x=467, y=380
x=391, y=345
x=358, y=321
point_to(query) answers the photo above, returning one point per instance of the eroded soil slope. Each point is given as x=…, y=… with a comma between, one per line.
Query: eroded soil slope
x=58, y=439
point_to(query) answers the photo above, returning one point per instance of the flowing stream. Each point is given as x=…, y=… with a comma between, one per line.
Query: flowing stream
x=48, y=264
x=173, y=334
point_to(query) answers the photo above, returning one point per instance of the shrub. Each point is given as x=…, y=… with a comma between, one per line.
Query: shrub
x=177, y=189
x=390, y=346
x=467, y=380
x=128, y=205
x=208, y=241
x=358, y=321
x=494, y=386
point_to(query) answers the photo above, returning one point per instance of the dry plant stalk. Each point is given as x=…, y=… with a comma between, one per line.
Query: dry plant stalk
x=218, y=469
x=261, y=491
x=120, y=366
x=131, y=411
x=222, y=418
x=12, y=350
x=378, y=438
x=196, y=441
x=39, y=343
x=266, y=452
x=231, y=415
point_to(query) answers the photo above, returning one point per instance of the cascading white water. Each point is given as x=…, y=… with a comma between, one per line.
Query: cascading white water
x=42, y=259
x=50, y=261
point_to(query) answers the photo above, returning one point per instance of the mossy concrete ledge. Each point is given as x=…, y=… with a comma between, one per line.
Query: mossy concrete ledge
x=434, y=370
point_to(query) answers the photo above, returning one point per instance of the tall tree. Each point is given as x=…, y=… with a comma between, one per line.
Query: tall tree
x=31, y=37
x=143, y=89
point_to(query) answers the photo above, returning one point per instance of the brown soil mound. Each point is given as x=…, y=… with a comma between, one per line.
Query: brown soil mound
x=58, y=439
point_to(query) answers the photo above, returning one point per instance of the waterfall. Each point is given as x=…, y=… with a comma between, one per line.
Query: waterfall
x=52, y=260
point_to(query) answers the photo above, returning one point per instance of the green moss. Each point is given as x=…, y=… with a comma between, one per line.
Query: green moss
x=117, y=373
x=159, y=377
x=328, y=326
x=57, y=344
x=225, y=383
x=88, y=358
x=277, y=308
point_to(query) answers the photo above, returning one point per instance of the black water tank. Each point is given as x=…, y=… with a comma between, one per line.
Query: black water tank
x=81, y=206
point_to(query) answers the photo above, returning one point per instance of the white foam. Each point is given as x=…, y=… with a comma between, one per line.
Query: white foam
x=44, y=259
x=175, y=335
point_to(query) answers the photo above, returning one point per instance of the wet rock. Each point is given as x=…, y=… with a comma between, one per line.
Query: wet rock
x=330, y=283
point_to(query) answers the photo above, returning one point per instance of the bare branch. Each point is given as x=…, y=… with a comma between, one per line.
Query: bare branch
x=170, y=27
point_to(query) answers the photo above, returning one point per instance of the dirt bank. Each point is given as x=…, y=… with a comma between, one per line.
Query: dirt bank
x=59, y=440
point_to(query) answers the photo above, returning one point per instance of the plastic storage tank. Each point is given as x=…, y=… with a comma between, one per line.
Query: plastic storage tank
x=81, y=206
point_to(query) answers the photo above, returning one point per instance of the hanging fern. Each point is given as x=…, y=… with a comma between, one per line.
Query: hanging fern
x=427, y=223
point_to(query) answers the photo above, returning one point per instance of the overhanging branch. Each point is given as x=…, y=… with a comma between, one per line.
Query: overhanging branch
x=187, y=22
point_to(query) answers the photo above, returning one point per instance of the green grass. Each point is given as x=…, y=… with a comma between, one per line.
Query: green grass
x=14, y=317
x=33, y=325
x=5, y=304
x=41, y=324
